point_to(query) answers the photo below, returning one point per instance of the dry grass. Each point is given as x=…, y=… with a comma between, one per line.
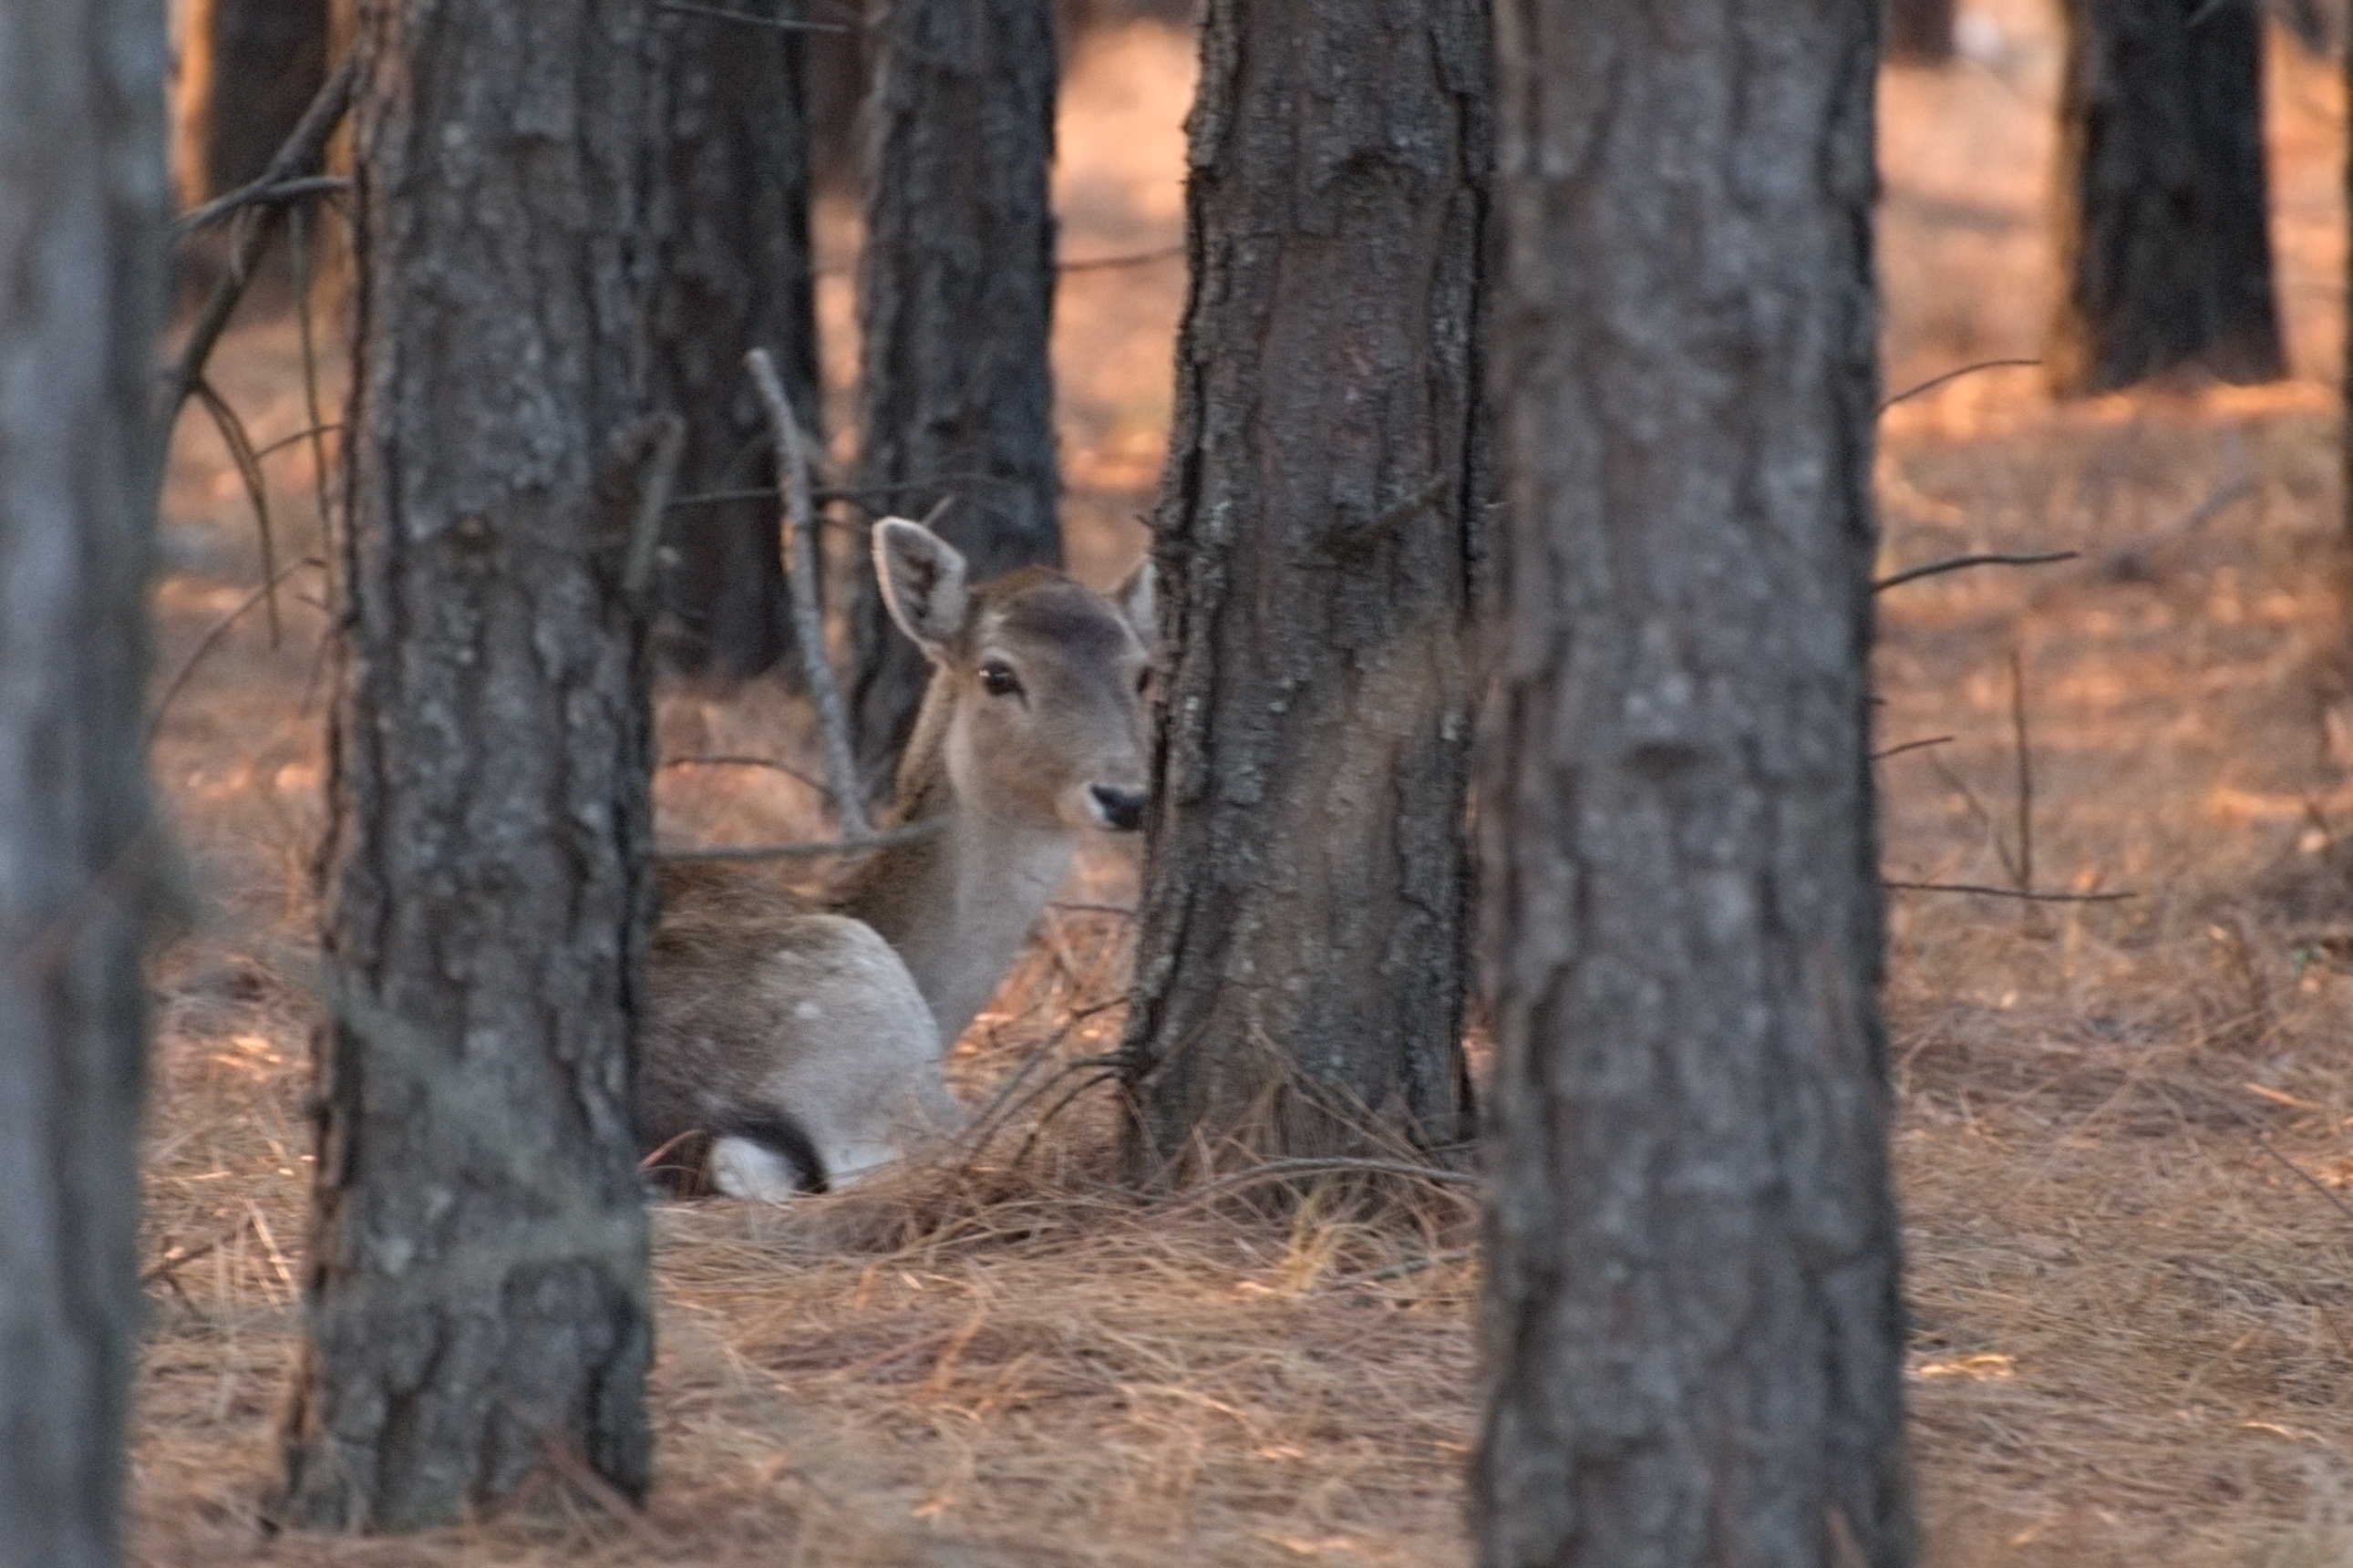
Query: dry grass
x=2121, y=1133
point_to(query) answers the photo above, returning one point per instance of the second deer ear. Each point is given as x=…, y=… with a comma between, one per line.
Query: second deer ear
x=1138, y=601
x=922, y=580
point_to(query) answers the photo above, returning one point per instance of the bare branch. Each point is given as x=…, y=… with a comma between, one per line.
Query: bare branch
x=1975, y=558
x=256, y=491
x=213, y=634
x=1920, y=745
x=282, y=194
x=808, y=629
x=1130, y=259
x=301, y=150
x=1935, y=382
x=1993, y=892
x=654, y=477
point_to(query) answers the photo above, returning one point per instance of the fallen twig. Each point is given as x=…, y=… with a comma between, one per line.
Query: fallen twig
x=809, y=630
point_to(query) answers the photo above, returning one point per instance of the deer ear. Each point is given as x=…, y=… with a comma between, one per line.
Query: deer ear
x=923, y=581
x=1138, y=602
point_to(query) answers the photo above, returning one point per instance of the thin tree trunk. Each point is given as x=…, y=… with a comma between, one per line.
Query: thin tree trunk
x=2164, y=243
x=957, y=293
x=246, y=69
x=477, y=1296
x=1693, y=1330
x=732, y=211
x=1920, y=32
x=1299, y=970
x=82, y=207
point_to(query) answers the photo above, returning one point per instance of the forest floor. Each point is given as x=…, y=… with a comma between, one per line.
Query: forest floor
x=2122, y=1126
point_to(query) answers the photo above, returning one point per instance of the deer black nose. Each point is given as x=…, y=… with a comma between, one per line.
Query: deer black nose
x=1122, y=809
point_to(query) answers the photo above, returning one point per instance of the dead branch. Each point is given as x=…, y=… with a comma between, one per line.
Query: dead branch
x=326, y=428
x=301, y=150
x=1975, y=558
x=808, y=629
x=1993, y=892
x=1920, y=745
x=806, y=850
x=256, y=491
x=283, y=194
x=1935, y=382
x=771, y=764
x=668, y=434
x=1129, y=259
x=213, y=634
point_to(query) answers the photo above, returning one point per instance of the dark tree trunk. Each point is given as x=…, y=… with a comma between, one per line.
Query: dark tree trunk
x=1920, y=32
x=83, y=205
x=731, y=210
x=476, y=1295
x=1301, y=968
x=246, y=69
x=957, y=297
x=2164, y=245
x=1694, y=1330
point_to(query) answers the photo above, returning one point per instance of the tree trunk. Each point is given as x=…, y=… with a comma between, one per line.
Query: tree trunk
x=82, y=207
x=2164, y=246
x=732, y=211
x=1920, y=32
x=1301, y=968
x=477, y=1293
x=956, y=296
x=1693, y=1330
x=246, y=69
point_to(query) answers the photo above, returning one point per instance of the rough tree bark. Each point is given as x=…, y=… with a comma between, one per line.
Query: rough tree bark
x=1920, y=32
x=82, y=208
x=1299, y=970
x=1693, y=1325
x=955, y=300
x=731, y=210
x=2164, y=243
x=246, y=70
x=477, y=1293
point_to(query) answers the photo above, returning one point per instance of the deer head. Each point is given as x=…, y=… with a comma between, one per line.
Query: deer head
x=1036, y=709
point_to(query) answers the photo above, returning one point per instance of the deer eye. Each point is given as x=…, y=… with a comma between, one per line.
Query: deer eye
x=997, y=680
x=1143, y=681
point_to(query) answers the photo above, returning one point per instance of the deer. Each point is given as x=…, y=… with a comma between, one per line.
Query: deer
x=806, y=1038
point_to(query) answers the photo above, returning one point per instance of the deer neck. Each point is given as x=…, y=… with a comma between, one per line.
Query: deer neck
x=958, y=902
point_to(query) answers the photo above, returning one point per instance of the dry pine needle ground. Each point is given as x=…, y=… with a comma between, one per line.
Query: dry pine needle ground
x=2122, y=1128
